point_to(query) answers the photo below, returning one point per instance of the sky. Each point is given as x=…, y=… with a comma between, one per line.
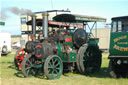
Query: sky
x=102, y=8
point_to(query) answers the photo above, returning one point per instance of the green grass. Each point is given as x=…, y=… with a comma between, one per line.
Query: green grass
x=10, y=76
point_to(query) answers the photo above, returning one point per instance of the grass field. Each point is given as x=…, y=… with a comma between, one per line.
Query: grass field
x=10, y=76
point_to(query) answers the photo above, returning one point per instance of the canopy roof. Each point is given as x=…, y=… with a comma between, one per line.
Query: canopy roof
x=55, y=24
x=77, y=18
x=120, y=18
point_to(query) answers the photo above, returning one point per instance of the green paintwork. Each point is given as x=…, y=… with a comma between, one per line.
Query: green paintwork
x=59, y=49
x=71, y=57
x=21, y=55
x=96, y=41
x=2, y=23
x=38, y=65
x=55, y=68
x=89, y=18
x=64, y=57
x=119, y=44
x=43, y=60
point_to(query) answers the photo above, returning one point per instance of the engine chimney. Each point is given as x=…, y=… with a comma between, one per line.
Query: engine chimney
x=34, y=27
x=45, y=24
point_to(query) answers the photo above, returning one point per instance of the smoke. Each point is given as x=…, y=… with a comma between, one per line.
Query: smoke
x=14, y=10
x=3, y=14
x=18, y=11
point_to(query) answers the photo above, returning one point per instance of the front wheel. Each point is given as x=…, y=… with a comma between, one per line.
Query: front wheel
x=53, y=67
x=28, y=66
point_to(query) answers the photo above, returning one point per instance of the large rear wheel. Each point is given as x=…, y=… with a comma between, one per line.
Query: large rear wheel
x=53, y=67
x=89, y=57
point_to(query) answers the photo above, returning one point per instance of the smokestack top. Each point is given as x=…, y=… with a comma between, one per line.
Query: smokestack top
x=45, y=14
x=33, y=16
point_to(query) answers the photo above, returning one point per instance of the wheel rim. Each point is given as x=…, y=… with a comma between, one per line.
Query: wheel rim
x=53, y=67
x=80, y=58
x=5, y=49
x=19, y=56
x=28, y=66
x=77, y=62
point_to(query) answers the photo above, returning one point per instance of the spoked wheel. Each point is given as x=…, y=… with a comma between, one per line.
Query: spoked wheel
x=18, y=58
x=53, y=67
x=89, y=57
x=28, y=66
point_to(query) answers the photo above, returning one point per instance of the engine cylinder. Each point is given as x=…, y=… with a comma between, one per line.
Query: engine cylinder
x=43, y=50
x=29, y=47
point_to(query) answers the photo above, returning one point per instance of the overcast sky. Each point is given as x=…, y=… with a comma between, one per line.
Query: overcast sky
x=103, y=8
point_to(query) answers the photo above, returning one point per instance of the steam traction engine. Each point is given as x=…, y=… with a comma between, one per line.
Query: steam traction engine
x=63, y=49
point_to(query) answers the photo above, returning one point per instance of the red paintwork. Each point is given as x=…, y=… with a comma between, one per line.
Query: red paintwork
x=32, y=37
x=20, y=58
x=39, y=46
x=68, y=40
